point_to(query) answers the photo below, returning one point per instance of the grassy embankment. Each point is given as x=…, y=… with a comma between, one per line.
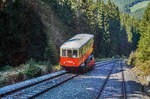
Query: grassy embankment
x=32, y=69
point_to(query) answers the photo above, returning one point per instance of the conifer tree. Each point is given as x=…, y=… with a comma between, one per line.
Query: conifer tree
x=143, y=47
x=52, y=53
x=142, y=57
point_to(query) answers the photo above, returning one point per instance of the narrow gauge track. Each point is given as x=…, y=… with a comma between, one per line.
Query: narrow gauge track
x=105, y=82
x=103, y=63
x=32, y=90
x=122, y=85
x=123, y=82
x=39, y=88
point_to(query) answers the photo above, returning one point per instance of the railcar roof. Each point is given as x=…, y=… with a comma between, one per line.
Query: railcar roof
x=77, y=41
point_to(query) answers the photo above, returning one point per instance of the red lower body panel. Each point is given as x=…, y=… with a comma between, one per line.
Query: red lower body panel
x=91, y=63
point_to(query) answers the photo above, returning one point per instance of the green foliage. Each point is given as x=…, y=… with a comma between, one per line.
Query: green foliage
x=52, y=53
x=33, y=70
x=132, y=59
x=21, y=34
x=49, y=67
x=131, y=27
x=142, y=59
x=144, y=42
x=104, y=20
x=115, y=33
x=10, y=36
x=63, y=10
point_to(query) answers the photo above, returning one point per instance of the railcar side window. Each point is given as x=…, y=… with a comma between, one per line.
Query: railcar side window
x=69, y=53
x=75, y=53
x=64, y=53
x=80, y=53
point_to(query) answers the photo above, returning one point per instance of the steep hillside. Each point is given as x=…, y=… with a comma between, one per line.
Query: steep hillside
x=57, y=28
x=54, y=27
x=133, y=7
x=138, y=9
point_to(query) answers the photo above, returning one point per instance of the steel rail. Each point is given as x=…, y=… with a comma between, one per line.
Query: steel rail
x=40, y=88
x=104, y=63
x=2, y=94
x=123, y=82
x=105, y=82
x=55, y=85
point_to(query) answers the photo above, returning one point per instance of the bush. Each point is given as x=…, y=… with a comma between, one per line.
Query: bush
x=19, y=76
x=132, y=58
x=136, y=59
x=49, y=67
x=143, y=66
x=52, y=53
x=33, y=70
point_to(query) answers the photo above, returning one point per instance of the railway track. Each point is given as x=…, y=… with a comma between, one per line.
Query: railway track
x=39, y=88
x=105, y=82
x=123, y=83
x=123, y=87
x=27, y=89
x=103, y=62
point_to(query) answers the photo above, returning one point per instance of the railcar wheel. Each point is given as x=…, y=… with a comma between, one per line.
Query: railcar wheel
x=83, y=70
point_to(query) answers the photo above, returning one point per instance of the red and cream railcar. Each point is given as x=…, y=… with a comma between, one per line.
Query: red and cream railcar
x=77, y=52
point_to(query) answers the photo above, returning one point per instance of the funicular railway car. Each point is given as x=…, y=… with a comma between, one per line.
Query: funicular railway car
x=76, y=53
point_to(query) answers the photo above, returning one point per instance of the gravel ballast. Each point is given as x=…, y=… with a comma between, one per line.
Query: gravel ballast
x=85, y=86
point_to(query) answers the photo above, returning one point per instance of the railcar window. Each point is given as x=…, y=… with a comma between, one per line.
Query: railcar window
x=80, y=53
x=64, y=53
x=69, y=53
x=75, y=53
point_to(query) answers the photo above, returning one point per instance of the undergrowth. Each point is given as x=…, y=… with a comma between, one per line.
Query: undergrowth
x=26, y=71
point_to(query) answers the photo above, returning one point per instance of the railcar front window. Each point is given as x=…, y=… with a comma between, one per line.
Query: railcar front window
x=75, y=53
x=69, y=53
x=64, y=53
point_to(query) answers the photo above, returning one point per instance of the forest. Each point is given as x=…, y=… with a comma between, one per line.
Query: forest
x=141, y=56
x=114, y=33
x=23, y=36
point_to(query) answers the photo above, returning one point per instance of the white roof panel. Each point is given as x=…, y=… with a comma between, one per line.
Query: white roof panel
x=77, y=41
